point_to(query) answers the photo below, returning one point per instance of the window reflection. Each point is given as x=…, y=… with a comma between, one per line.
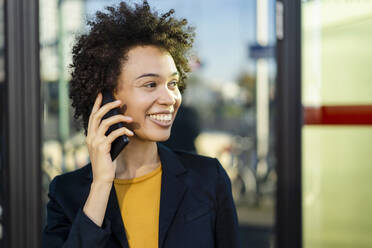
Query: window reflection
x=63, y=144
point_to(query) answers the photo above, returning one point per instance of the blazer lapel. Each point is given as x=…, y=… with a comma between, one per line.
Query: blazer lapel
x=172, y=190
x=114, y=215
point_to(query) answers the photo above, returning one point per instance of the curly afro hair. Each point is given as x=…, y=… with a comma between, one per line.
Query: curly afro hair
x=98, y=55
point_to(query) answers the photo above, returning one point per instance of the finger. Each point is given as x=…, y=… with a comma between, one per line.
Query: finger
x=117, y=133
x=106, y=123
x=97, y=116
x=97, y=102
x=95, y=108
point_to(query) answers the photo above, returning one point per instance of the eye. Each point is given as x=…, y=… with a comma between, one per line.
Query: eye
x=173, y=83
x=150, y=85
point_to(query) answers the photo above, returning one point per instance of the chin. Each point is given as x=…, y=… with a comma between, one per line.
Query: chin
x=161, y=138
x=156, y=136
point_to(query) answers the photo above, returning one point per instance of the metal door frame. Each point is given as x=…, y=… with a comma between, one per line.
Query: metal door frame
x=289, y=125
x=22, y=212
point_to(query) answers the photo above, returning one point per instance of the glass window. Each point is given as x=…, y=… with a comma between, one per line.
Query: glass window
x=336, y=91
x=63, y=146
x=227, y=108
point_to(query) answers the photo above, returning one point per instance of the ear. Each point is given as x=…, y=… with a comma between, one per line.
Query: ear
x=115, y=93
x=123, y=106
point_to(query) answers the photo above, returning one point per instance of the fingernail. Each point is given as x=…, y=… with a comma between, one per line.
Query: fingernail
x=128, y=119
x=117, y=101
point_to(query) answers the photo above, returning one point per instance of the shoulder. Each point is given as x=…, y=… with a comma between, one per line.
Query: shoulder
x=193, y=157
x=71, y=180
x=198, y=163
x=69, y=191
x=206, y=171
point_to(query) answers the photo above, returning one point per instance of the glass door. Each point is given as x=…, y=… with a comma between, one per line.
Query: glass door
x=337, y=131
x=227, y=110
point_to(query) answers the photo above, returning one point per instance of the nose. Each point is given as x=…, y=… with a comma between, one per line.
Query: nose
x=166, y=97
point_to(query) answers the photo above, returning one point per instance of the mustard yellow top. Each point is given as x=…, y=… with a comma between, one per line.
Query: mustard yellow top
x=139, y=202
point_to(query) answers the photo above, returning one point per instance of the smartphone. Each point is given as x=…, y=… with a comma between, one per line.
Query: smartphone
x=119, y=143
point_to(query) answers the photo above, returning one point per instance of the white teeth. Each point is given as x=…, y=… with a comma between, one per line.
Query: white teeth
x=162, y=117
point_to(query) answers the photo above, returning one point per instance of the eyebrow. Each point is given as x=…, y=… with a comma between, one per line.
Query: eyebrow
x=156, y=75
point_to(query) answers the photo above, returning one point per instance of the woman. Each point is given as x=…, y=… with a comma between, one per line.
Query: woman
x=149, y=196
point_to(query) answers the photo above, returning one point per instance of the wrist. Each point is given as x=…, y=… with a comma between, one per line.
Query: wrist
x=96, y=184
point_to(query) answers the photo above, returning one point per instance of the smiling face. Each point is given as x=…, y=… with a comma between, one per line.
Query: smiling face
x=147, y=87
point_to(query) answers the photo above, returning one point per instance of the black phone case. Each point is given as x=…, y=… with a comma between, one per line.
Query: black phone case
x=119, y=143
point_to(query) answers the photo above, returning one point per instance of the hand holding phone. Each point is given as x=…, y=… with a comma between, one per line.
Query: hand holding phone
x=102, y=132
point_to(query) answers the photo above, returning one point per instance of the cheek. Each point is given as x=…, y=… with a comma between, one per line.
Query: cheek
x=178, y=98
x=138, y=102
x=139, y=109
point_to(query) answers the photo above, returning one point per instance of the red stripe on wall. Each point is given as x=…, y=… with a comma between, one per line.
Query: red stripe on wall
x=338, y=115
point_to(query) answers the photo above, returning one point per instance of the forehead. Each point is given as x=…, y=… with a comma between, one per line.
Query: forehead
x=148, y=59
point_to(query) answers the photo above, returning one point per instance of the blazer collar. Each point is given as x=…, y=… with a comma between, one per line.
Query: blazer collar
x=173, y=189
x=169, y=161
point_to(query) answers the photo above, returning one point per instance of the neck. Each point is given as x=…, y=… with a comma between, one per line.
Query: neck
x=137, y=158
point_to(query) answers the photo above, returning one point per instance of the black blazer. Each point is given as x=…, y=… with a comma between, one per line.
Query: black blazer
x=196, y=207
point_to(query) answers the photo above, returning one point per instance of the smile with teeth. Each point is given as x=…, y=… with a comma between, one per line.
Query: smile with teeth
x=162, y=117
